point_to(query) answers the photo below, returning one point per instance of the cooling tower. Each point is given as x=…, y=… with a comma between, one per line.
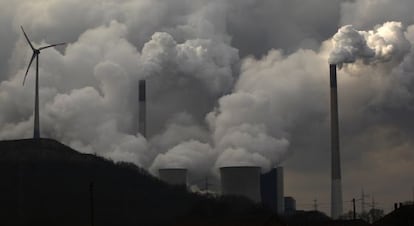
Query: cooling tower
x=290, y=205
x=271, y=186
x=173, y=176
x=241, y=181
x=336, y=186
x=142, y=108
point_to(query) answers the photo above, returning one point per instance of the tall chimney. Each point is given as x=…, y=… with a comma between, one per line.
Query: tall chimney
x=142, y=108
x=336, y=185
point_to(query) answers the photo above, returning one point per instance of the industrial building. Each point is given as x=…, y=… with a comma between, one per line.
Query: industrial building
x=290, y=205
x=241, y=181
x=271, y=186
x=248, y=181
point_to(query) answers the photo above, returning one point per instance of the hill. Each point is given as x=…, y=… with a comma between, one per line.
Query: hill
x=47, y=183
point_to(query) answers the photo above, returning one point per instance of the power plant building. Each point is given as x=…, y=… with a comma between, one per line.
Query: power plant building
x=290, y=205
x=272, y=190
x=241, y=181
x=174, y=176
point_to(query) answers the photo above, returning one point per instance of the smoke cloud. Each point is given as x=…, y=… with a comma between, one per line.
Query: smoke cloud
x=193, y=155
x=380, y=45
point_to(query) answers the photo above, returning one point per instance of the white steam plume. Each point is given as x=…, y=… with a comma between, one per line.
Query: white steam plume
x=253, y=125
x=193, y=155
x=91, y=95
x=382, y=44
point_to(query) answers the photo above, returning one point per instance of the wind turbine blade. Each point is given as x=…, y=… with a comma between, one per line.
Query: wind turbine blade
x=45, y=47
x=30, y=64
x=27, y=38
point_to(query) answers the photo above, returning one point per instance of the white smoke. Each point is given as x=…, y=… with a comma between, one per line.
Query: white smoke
x=382, y=44
x=193, y=155
x=208, y=61
x=181, y=127
x=366, y=14
x=88, y=91
x=253, y=125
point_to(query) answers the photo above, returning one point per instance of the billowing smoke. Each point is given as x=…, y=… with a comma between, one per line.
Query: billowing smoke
x=193, y=155
x=253, y=125
x=380, y=45
x=88, y=91
x=229, y=82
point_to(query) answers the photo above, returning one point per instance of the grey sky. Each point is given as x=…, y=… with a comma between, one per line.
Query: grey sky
x=229, y=82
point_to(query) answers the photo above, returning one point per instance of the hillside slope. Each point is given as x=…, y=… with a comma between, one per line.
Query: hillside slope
x=47, y=183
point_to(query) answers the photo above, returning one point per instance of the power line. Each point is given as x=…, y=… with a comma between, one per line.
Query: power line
x=373, y=204
x=363, y=203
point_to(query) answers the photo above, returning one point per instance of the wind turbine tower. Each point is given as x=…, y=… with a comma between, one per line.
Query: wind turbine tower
x=36, y=52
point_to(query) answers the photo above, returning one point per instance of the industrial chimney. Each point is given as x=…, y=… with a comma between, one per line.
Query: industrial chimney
x=142, y=108
x=241, y=181
x=336, y=185
x=271, y=186
x=173, y=176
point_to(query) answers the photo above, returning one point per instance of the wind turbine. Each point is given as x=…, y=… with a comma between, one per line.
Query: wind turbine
x=36, y=52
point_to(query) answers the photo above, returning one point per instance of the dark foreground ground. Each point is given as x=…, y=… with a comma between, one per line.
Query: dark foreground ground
x=44, y=182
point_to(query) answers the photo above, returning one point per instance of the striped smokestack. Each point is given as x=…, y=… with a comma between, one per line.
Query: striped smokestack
x=336, y=185
x=142, y=115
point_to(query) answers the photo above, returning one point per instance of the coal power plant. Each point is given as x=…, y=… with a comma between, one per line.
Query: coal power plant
x=241, y=181
x=247, y=181
x=336, y=185
x=173, y=176
x=271, y=186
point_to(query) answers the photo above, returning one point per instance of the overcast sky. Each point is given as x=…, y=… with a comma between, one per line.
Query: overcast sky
x=230, y=82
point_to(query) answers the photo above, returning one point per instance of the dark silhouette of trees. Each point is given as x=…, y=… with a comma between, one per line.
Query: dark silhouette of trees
x=47, y=183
